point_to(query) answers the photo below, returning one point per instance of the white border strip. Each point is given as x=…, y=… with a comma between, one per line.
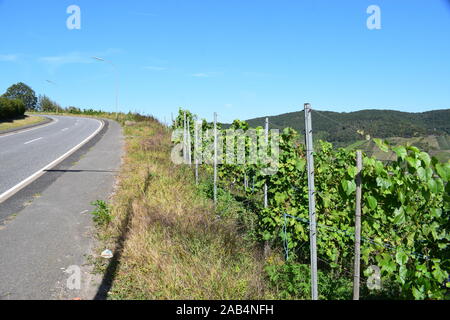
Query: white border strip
x=7, y=194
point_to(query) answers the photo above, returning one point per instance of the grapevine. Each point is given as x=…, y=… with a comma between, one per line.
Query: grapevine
x=405, y=208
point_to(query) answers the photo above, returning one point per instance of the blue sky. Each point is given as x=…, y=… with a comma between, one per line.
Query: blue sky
x=241, y=59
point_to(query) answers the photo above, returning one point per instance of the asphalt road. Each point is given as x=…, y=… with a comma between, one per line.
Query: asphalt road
x=47, y=234
x=24, y=153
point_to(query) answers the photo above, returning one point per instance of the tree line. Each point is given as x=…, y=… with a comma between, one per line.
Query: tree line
x=343, y=128
x=20, y=98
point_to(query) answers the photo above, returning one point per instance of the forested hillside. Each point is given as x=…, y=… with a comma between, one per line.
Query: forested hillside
x=342, y=127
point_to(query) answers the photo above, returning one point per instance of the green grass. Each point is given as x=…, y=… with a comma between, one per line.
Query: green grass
x=176, y=244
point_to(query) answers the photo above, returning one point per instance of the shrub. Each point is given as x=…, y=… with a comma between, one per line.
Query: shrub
x=45, y=104
x=102, y=213
x=11, y=108
x=73, y=110
x=292, y=281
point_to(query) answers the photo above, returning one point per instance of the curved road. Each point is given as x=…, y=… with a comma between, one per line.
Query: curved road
x=46, y=230
x=24, y=153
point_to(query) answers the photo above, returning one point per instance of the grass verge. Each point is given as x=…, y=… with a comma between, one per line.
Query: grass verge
x=168, y=239
x=17, y=123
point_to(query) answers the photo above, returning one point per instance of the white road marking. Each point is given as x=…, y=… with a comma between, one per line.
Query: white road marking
x=5, y=195
x=33, y=140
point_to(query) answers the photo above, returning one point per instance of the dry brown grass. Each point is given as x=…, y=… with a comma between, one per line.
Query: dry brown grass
x=17, y=123
x=175, y=246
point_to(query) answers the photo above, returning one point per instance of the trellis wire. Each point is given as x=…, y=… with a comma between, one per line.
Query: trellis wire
x=345, y=233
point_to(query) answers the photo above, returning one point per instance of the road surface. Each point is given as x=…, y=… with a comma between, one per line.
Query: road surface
x=25, y=153
x=46, y=228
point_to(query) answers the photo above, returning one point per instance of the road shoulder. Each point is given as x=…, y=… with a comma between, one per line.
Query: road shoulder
x=46, y=120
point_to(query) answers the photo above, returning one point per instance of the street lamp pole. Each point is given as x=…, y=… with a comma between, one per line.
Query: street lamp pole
x=117, y=82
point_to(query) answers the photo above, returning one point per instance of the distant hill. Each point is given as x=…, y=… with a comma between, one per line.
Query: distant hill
x=437, y=146
x=342, y=127
x=430, y=131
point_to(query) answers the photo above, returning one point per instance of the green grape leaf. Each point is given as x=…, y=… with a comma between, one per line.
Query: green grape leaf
x=425, y=158
x=372, y=202
x=421, y=173
x=388, y=264
x=383, y=183
x=413, y=162
x=418, y=294
x=413, y=149
x=379, y=167
x=401, y=257
x=403, y=272
x=436, y=212
x=400, y=151
x=443, y=170
x=439, y=274
x=352, y=171
x=432, y=184
x=280, y=197
x=401, y=196
x=348, y=186
x=381, y=144
x=399, y=216
x=368, y=162
x=300, y=164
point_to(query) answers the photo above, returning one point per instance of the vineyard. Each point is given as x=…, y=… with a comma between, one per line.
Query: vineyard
x=405, y=225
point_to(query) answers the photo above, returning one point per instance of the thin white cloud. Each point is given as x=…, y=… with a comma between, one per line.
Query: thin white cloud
x=69, y=58
x=8, y=57
x=206, y=74
x=201, y=75
x=78, y=57
x=57, y=61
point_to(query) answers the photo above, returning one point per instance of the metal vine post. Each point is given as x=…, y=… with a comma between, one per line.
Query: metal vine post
x=312, y=202
x=196, y=151
x=357, y=227
x=184, y=138
x=189, y=156
x=215, y=158
x=267, y=144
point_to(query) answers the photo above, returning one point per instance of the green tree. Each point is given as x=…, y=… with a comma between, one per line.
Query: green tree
x=22, y=92
x=74, y=110
x=47, y=105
